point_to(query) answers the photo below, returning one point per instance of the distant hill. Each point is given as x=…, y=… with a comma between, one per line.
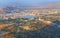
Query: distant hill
x=52, y=5
x=17, y=6
x=47, y=5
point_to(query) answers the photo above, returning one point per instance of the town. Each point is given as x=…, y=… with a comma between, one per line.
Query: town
x=22, y=14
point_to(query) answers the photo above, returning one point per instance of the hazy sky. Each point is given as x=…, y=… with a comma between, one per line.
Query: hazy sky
x=27, y=2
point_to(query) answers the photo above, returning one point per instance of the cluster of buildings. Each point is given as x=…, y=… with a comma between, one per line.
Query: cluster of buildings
x=23, y=13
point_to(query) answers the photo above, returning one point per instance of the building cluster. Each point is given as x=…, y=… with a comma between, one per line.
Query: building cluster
x=23, y=13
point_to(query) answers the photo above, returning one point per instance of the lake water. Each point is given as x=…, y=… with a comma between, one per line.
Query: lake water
x=30, y=16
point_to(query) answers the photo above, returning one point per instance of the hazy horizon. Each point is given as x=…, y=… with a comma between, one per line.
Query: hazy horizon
x=27, y=2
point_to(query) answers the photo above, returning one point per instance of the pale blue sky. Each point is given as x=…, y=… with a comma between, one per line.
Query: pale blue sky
x=27, y=2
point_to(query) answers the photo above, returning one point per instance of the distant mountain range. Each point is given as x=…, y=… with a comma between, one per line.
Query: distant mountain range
x=47, y=5
x=17, y=6
x=51, y=5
